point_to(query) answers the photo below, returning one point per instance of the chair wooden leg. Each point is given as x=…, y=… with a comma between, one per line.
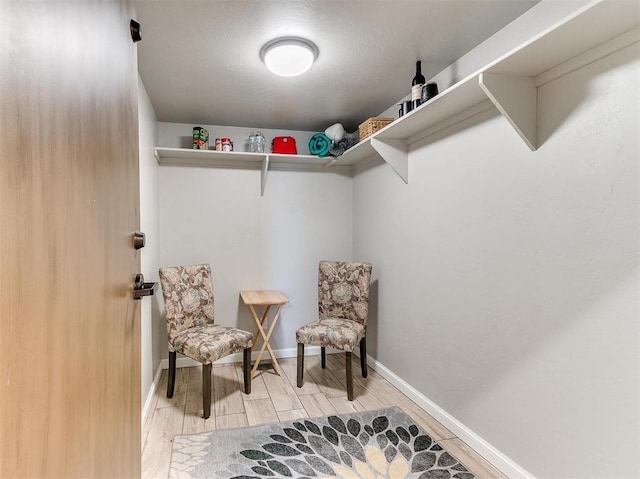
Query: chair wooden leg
x=300, y=364
x=349, y=377
x=323, y=356
x=363, y=357
x=247, y=370
x=206, y=390
x=172, y=373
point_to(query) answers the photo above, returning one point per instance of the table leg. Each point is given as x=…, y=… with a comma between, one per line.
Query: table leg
x=265, y=338
x=259, y=322
x=276, y=366
x=260, y=331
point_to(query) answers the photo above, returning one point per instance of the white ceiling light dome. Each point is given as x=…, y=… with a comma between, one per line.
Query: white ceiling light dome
x=289, y=56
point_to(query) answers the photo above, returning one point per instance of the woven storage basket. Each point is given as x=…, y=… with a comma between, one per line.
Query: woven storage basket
x=372, y=125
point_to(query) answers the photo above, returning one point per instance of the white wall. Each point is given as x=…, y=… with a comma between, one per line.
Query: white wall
x=508, y=279
x=217, y=216
x=153, y=329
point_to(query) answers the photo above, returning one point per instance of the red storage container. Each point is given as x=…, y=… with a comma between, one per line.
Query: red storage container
x=285, y=145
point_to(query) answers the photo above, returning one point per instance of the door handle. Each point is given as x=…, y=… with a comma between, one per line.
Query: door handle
x=139, y=240
x=142, y=289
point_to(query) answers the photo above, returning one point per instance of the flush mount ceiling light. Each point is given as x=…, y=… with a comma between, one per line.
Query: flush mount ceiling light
x=289, y=56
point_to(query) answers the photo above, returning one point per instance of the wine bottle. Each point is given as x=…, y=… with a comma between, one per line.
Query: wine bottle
x=416, y=85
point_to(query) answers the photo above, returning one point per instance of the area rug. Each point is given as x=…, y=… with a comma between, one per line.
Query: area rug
x=377, y=444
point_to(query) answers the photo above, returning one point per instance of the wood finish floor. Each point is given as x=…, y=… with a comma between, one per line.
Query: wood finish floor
x=275, y=399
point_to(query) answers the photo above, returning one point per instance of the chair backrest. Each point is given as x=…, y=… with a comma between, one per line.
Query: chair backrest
x=188, y=297
x=343, y=290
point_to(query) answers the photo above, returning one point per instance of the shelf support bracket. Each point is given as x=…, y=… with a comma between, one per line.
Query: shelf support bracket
x=263, y=174
x=394, y=152
x=515, y=97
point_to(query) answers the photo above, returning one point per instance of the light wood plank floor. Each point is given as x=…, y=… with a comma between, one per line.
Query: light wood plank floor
x=275, y=399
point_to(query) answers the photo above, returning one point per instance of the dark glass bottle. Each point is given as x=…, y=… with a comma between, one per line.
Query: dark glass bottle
x=416, y=85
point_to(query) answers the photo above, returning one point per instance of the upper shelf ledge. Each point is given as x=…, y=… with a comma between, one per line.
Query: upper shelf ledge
x=247, y=161
x=510, y=82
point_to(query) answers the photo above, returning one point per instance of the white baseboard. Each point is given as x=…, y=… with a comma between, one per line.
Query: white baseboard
x=152, y=391
x=500, y=461
x=482, y=447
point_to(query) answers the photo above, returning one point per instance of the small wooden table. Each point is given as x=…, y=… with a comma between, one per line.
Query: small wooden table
x=267, y=299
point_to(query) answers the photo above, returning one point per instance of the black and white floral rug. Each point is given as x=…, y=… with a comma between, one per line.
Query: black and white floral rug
x=375, y=444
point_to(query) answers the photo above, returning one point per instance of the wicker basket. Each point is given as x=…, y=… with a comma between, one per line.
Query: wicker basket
x=372, y=125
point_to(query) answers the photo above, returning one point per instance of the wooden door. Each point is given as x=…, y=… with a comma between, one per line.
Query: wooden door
x=69, y=328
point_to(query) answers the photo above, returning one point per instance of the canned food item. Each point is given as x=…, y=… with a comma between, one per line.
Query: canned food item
x=200, y=138
x=200, y=145
x=226, y=144
x=218, y=145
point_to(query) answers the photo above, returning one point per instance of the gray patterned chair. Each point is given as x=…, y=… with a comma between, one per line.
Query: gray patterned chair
x=343, y=307
x=188, y=301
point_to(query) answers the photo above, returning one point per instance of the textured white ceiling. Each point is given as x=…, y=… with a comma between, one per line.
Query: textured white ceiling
x=200, y=63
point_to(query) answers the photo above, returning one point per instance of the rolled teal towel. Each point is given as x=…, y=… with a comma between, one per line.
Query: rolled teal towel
x=319, y=144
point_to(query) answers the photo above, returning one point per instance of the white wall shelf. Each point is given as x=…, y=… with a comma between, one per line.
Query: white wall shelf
x=247, y=161
x=509, y=83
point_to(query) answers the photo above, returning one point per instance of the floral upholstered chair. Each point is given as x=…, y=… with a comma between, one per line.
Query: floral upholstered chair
x=343, y=307
x=188, y=301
